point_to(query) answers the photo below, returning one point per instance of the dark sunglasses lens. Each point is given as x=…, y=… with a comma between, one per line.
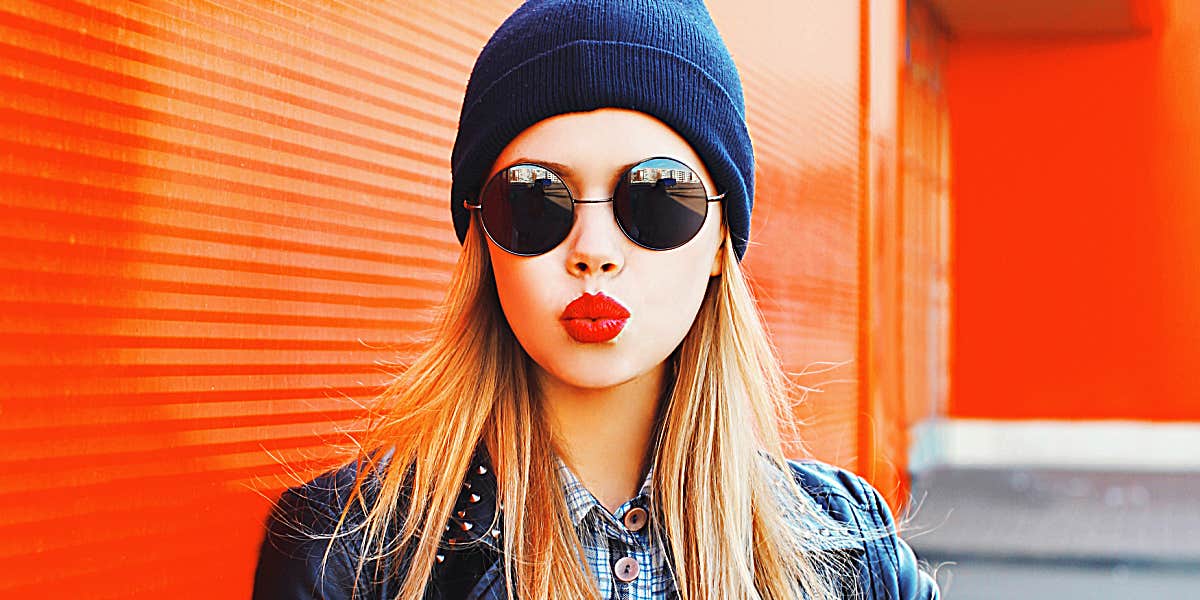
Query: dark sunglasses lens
x=660, y=203
x=526, y=209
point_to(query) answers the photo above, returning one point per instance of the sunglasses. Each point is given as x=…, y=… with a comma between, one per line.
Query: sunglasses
x=659, y=203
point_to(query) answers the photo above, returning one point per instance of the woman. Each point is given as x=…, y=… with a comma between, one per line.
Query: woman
x=597, y=414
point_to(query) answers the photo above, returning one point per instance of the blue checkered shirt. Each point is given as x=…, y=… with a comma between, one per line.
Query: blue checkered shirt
x=606, y=540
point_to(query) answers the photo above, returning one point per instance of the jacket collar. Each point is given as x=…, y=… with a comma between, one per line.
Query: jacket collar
x=475, y=520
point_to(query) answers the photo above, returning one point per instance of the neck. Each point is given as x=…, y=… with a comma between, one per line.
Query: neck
x=605, y=433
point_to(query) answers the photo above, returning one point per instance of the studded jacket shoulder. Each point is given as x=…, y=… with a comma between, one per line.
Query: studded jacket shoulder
x=468, y=566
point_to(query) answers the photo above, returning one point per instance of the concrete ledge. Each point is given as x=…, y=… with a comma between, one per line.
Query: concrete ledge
x=1064, y=515
x=1126, y=445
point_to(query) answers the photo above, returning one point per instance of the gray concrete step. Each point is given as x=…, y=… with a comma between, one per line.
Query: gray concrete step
x=1010, y=532
x=1057, y=513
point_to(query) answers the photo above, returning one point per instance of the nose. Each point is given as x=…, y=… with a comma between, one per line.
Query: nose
x=595, y=242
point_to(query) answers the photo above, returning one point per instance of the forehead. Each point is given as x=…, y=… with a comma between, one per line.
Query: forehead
x=596, y=144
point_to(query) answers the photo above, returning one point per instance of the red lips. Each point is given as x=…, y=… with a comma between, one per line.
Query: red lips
x=594, y=318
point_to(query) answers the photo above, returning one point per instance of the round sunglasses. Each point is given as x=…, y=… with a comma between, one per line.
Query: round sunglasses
x=527, y=209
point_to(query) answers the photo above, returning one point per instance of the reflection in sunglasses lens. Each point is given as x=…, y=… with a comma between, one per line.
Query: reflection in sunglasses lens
x=661, y=204
x=527, y=209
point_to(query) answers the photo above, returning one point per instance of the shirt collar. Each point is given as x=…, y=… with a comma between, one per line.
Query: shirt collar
x=825, y=534
x=580, y=501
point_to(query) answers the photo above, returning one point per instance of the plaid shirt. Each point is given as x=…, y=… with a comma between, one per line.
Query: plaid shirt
x=606, y=540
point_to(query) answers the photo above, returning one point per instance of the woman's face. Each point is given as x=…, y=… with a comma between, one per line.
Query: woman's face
x=661, y=290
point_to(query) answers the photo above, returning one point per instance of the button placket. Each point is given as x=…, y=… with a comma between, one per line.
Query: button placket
x=624, y=567
x=631, y=526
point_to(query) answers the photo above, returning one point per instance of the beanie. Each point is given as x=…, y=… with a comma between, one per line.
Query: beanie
x=660, y=57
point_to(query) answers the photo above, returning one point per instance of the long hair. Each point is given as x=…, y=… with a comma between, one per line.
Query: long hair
x=725, y=505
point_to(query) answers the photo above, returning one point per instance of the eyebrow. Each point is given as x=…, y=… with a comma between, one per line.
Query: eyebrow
x=563, y=170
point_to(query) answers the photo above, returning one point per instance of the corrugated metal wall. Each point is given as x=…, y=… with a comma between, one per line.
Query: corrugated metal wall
x=799, y=62
x=218, y=217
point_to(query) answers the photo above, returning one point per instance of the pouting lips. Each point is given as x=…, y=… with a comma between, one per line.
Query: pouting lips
x=593, y=318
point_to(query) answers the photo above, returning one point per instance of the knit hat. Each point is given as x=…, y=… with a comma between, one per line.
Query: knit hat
x=661, y=57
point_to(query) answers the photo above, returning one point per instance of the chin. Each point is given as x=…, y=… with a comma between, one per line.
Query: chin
x=590, y=374
x=589, y=370
x=592, y=366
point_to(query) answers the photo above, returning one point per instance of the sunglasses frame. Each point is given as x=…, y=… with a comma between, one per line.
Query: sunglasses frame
x=478, y=205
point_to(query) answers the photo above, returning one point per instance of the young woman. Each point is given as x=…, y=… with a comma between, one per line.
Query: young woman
x=597, y=414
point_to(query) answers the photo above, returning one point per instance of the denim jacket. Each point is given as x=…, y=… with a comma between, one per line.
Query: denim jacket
x=469, y=566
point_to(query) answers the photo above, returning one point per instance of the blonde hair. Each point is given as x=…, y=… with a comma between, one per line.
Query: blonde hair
x=725, y=502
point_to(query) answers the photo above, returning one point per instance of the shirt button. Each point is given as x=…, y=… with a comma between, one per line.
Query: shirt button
x=626, y=569
x=635, y=519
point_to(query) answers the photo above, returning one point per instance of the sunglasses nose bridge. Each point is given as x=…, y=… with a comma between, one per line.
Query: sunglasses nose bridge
x=594, y=244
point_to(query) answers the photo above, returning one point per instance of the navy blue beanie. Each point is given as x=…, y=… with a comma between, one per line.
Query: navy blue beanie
x=661, y=57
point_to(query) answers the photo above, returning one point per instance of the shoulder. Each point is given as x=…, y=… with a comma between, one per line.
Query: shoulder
x=318, y=505
x=323, y=496
x=313, y=546
x=309, y=549
x=888, y=568
x=822, y=480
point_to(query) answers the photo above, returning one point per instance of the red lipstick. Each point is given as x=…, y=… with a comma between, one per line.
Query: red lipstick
x=594, y=318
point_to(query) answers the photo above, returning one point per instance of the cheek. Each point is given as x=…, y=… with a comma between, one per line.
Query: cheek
x=674, y=295
x=525, y=290
x=532, y=295
x=682, y=283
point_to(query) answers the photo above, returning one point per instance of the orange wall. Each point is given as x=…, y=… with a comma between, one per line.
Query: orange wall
x=808, y=291
x=1077, y=206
